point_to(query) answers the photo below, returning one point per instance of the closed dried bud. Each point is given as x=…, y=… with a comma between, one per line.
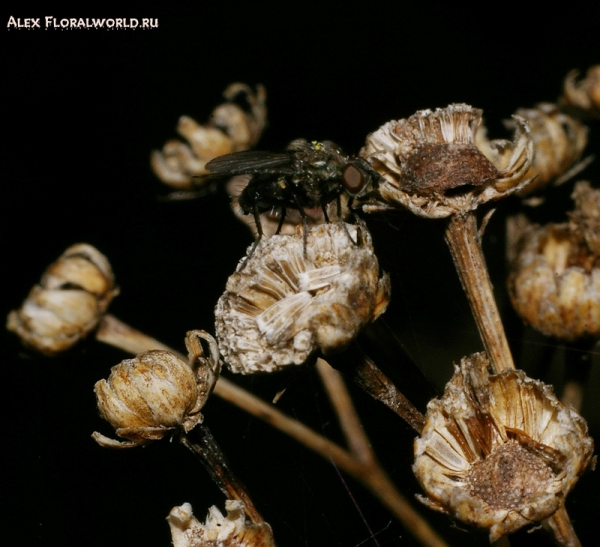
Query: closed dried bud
x=430, y=163
x=583, y=96
x=229, y=129
x=70, y=300
x=554, y=281
x=234, y=530
x=293, y=296
x=499, y=451
x=558, y=142
x=155, y=393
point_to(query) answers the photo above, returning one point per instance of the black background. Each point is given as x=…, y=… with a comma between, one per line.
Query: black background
x=82, y=109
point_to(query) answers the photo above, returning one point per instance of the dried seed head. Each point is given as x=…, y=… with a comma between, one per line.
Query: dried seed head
x=583, y=96
x=156, y=392
x=292, y=297
x=554, y=281
x=499, y=451
x=558, y=142
x=430, y=163
x=71, y=298
x=229, y=129
x=234, y=530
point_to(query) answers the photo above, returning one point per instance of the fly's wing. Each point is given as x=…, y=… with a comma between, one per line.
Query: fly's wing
x=251, y=162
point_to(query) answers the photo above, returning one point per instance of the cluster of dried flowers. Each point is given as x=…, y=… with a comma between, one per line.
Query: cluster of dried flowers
x=499, y=450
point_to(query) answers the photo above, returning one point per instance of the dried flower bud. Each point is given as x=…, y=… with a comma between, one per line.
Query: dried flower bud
x=499, y=451
x=229, y=129
x=430, y=164
x=156, y=392
x=558, y=142
x=554, y=282
x=584, y=221
x=71, y=298
x=293, y=296
x=234, y=530
x=584, y=95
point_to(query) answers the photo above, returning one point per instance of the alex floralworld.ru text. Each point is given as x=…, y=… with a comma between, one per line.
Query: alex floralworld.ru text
x=78, y=23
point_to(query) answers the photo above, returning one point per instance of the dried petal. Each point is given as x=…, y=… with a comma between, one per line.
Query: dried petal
x=583, y=96
x=499, y=451
x=156, y=392
x=430, y=162
x=229, y=129
x=291, y=298
x=234, y=530
x=71, y=298
x=558, y=141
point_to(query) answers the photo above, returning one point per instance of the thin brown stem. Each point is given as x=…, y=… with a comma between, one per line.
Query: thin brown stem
x=356, y=365
x=563, y=530
x=213, y=459
x=114, y=332
x=463, y=239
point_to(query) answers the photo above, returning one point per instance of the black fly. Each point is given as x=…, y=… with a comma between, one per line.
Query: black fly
x=307, y=175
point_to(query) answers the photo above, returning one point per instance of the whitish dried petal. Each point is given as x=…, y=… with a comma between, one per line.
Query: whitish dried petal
x=156, y=392
x=430, y=162
x=554, y=282
x=290, y=299
x=234, y=530
x=229, y=129
x=499, y=451
x=71, y=298
x=585, y=94
x=558, y=141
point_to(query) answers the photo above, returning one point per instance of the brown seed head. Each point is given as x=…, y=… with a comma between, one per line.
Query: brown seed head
x=499, y=451
x=229, y=129
x=554, y=282
x=292, y=297
x=66, y=306
x=155, y=393
x=583, y=96
x=233, y=530
x=430, y=162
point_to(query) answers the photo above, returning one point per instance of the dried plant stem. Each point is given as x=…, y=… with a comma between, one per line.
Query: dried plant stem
x=563, y=529
x=356, y=365
x=213, y=459
x=463, y=239
x=357, y=462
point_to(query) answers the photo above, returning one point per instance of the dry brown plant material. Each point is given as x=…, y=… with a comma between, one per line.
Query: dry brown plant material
x=294, y=295
x=68, y=303
x=558, y=141
x=499, y=451
x=233, y=530
x=156, y=393
x=583, y=95
x=431, y=165
x=229, y=129
x=554, y=282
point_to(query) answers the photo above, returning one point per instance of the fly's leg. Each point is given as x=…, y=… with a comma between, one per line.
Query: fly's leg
x=280, y=225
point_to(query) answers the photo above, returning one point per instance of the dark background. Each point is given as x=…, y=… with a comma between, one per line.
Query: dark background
x=82, y=111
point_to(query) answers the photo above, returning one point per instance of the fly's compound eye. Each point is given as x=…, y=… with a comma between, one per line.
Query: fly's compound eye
x=354, y=179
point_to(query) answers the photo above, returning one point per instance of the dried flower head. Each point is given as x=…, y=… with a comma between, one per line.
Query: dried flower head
x=554, y=281
x=499, y=451
x=558, y=141
x=71, y=298
x=229, y=129
x=295, y=295
x=583, y=96
x=430, y=164
x=234, y=530
x=156, y=392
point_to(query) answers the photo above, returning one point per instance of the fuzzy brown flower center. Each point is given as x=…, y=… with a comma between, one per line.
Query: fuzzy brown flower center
x=439, y=167
x=509, y=476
